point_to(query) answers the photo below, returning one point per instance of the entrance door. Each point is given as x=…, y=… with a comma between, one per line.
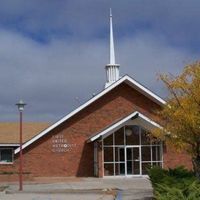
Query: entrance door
x=129, y=158
x=132, y=161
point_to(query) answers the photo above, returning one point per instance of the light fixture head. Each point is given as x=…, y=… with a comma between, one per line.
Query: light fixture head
x=20, y=105
x=128, y=132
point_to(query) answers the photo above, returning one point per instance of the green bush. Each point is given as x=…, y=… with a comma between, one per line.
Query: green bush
x=157, y=174
x=164, y=192
x=174, y=184
x=180, y=172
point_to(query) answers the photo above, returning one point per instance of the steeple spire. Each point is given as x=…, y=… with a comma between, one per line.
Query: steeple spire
x=112, y=69
x=112, y=49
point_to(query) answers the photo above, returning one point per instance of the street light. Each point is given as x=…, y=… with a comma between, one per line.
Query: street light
x=20, y=106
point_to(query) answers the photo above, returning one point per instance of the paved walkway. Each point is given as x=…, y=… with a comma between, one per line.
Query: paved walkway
x=80, y=188
x=55, y=197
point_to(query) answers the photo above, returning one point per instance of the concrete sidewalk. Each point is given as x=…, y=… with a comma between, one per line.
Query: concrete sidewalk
x=72, y=196
x=103, y=188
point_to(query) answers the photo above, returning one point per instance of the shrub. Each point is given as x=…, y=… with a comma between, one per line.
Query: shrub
x=180, y=172
x=164, y=192
x=174, y=184
x=157, y=174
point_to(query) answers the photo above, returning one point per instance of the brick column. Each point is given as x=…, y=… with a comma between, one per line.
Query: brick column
x=100, y=160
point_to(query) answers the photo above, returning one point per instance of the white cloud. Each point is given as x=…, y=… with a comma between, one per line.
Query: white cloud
x=150, y=38
x=50, y=76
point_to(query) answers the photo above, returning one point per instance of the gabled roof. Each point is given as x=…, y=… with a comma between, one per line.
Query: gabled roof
x=121, y=123
x=9, y=132
x=125, y=79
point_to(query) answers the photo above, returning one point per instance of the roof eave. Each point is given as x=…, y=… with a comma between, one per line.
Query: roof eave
x=9, y=145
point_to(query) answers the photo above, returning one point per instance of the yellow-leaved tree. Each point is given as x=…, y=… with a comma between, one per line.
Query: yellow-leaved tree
x=180, y=117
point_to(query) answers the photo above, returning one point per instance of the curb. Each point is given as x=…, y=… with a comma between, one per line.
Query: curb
x=62, y=191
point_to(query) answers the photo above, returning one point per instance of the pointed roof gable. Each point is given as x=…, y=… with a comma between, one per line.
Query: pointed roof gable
x=121, y=123
x=125, y=79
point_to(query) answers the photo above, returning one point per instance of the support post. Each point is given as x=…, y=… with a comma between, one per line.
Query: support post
x=20, y=157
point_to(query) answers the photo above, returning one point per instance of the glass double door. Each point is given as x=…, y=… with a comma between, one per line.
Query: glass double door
x=132, y=161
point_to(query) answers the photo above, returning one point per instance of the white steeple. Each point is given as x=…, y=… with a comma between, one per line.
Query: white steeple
x=112, y=69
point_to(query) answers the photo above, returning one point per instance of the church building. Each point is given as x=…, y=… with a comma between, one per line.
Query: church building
x=107, y=136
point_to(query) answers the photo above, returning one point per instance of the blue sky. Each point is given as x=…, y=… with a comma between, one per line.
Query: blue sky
x=53, y=53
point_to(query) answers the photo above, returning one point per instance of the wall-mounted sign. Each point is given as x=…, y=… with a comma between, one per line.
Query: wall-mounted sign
x=60, y=144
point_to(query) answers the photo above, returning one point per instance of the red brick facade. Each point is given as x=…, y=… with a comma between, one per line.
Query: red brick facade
x=172, y=158
x=39, y=159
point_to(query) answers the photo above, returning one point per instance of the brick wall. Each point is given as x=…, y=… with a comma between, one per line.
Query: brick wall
x=78, y=160
x=172, y=158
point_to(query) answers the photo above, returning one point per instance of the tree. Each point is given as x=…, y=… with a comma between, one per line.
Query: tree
x=180, y=117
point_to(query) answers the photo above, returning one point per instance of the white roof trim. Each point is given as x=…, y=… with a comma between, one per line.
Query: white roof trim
x=150, y=121
x=125, y=78
x=9, y=145
x=121, y=122
x=144, y=90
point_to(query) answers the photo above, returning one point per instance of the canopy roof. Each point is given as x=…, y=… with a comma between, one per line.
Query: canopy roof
x=135, y=116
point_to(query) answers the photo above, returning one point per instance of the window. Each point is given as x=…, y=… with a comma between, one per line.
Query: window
x=6, y=155
x=132, y=135
x=131, y=150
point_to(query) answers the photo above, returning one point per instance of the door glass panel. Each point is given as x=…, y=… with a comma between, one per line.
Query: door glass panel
x=136, y=167
x=136, y=161
x=129, y=167
x=129, y=154
x=133, y=161
x=136, y=154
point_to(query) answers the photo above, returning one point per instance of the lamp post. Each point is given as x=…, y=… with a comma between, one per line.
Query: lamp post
x=20, y=106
